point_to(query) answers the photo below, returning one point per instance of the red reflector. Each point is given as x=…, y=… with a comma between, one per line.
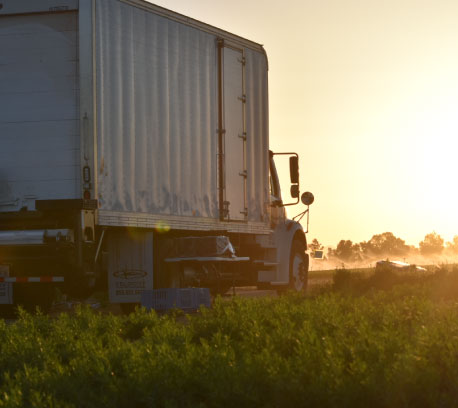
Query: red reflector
x=87, y=195
x=46, y=279
x=21, y=279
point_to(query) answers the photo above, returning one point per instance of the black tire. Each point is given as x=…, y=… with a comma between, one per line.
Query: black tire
x=298, y=267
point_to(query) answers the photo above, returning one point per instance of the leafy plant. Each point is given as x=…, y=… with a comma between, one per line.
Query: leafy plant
x=394, y=347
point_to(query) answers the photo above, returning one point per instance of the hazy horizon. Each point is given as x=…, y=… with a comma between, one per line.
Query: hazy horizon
x=414, y=244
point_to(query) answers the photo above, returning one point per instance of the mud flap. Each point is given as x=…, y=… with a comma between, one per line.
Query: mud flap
x=130, y=265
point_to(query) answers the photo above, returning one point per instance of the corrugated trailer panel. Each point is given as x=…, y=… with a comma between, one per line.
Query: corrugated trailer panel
x=257, y=114
x=39, y=115
x=157, y=116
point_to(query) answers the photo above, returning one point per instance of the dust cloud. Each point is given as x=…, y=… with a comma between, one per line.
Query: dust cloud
x=445, y=258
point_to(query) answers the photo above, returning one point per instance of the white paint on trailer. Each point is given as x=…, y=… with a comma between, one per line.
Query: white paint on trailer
x=234, y=144
x=157, y=117
x=191, y=22
x=166, y=222
x=39, y=88
x=156, y=102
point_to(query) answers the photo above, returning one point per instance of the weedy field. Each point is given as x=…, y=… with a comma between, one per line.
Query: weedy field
x=382, y=340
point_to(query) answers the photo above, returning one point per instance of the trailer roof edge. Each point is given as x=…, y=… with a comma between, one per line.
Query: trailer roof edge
x=181, y=18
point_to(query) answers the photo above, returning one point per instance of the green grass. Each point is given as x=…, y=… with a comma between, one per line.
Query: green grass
x=356, y=345
x=329, y=273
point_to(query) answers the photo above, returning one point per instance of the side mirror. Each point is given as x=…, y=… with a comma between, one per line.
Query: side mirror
x=294, y=170
x=293, y=173
x=307, y=198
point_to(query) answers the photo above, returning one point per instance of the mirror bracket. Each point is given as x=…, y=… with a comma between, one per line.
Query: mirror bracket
x=294, y=175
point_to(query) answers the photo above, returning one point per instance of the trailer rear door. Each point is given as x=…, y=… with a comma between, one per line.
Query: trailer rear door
x=39, y=92
x=233, y=101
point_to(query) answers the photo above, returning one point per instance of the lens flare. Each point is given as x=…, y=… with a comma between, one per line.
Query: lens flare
x=162, y=227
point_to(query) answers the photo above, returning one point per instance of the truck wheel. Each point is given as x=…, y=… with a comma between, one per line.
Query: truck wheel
x=298, y=267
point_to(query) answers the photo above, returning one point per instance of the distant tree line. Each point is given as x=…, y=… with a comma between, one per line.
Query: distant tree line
x=386, y=245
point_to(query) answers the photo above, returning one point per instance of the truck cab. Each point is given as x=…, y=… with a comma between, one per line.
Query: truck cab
x=290, y=242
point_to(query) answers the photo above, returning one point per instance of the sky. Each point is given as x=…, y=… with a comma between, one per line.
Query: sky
x=366, y=92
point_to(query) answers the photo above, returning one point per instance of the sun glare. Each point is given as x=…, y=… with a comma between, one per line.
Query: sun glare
x=432, y=144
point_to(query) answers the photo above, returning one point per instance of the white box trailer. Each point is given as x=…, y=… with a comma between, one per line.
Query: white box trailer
x=124, y=129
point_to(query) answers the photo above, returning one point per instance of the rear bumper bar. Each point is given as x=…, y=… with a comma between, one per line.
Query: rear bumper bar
x=30, y=279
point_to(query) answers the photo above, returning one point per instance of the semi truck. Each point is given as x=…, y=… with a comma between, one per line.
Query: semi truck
x=134, y=155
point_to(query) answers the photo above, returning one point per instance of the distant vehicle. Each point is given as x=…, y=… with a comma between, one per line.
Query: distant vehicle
x=398, y=266
x=318, y=254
